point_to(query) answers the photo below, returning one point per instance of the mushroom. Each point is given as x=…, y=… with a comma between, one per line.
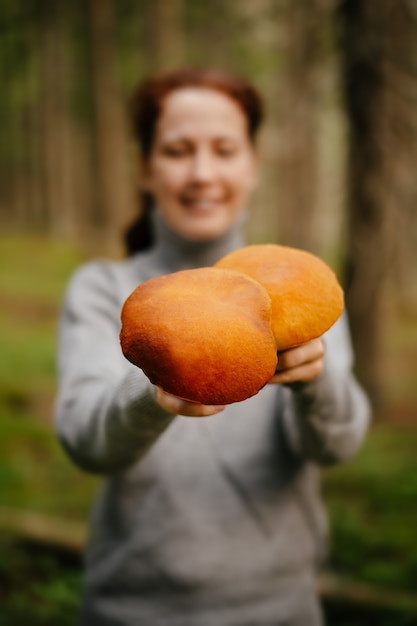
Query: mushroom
x=201, y=334
x=305, y=293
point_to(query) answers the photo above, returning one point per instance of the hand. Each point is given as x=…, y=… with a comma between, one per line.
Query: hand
x=178, y=406
x=301, y=364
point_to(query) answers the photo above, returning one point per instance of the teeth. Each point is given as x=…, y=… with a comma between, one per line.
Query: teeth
x=202, y=202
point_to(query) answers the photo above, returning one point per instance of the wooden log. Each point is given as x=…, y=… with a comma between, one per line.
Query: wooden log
x=344, y=590
x=44, y=529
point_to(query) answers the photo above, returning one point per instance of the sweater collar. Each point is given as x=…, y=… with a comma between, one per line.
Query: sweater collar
x=172, y=253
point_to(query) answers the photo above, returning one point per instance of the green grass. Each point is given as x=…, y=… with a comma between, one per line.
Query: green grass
x=35, y=269
x=373, y=507
x=36, y=588
x=34, y=472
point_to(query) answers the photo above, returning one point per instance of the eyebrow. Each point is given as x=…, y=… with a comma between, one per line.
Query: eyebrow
x=187, y=139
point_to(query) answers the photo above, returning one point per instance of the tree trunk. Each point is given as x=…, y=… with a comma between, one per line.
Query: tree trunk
x=164, y=34
x=296, y=168
x=11, y=209
x=296, y=102
x=114, y=177
x=364, y=27
x=57, y=214
x=400, y=145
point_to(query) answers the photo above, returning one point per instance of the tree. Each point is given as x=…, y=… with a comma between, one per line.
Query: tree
x=294, y=99
x=376, y=38
x=114, y=204
x=297, y=105
x=57, y=200
x=400, y=148
x=164, y=34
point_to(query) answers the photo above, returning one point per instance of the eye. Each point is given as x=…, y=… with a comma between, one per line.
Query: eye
x=175, y=151
x=226, y=149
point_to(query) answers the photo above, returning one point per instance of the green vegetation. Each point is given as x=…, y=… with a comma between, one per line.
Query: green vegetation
x=36, y=586
x=372, y=500
x=35, y=475
x=34, y=472
x=373, y=508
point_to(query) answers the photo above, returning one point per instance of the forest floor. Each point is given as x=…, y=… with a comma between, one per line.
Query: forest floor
x=372, y=500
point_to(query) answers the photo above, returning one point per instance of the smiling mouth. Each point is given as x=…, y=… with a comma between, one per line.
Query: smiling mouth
x=201, y=205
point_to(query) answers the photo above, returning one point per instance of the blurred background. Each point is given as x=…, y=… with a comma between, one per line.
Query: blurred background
x=339, y=154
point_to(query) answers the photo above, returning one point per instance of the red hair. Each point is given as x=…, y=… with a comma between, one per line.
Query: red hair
x=146, y=107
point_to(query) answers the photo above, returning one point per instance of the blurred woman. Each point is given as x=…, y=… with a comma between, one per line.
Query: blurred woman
x=200, y=522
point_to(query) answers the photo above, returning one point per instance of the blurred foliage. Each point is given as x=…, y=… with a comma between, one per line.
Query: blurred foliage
x=34, y=473
x=45, y=111
x=351, y=615
x=373, y=507
x=39, y=587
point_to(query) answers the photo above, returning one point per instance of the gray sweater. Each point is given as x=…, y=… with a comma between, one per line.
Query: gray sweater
x=211, y=521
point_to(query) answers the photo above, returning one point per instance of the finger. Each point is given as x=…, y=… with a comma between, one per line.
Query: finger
x=301, y=373
x=178, y=406
x=305, y=353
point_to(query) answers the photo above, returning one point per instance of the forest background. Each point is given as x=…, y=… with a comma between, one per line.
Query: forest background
x=339, y=154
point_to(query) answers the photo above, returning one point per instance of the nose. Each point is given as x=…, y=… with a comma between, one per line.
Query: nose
x=203, y=166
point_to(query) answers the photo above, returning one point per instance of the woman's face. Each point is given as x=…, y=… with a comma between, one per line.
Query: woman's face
x=202, y=168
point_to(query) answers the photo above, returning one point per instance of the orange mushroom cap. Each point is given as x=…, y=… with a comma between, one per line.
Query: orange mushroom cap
x=203, y=334
x=305, y=293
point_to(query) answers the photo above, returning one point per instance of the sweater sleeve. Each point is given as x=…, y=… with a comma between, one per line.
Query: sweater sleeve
x=326, y=420
x=106, y=414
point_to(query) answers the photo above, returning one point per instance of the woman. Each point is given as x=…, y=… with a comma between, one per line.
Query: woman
x=213, y=521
